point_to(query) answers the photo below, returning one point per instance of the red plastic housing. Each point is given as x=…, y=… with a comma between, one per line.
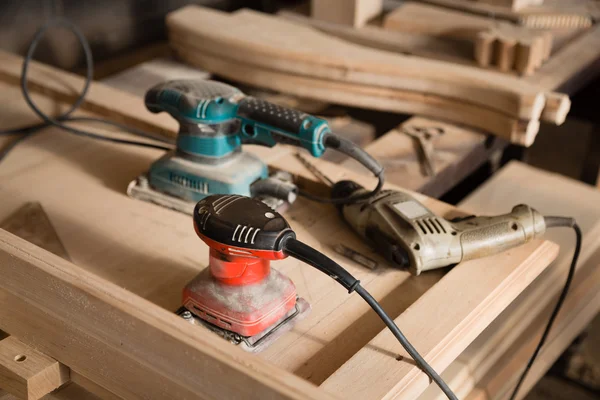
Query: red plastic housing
x=239, y=291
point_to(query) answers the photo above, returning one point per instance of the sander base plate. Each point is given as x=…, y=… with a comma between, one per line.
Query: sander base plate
x=256, y=343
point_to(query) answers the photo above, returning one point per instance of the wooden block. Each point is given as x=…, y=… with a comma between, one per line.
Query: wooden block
x=27, y=373
x=504, y=54
x=557, y=108
x=346, y=12
x=524, y=59
x=484, y=46
x=31, y=223
x=515, y=47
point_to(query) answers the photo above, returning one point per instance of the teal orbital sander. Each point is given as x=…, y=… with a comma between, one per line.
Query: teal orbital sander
x=215, y=120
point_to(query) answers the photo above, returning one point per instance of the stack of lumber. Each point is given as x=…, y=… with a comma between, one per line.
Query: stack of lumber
x=274, y=53
x=499, y=43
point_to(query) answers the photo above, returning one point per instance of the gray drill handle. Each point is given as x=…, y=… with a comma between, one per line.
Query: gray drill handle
x=485, y=236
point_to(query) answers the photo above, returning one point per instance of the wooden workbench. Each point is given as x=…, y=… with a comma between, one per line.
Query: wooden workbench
x=131, y=259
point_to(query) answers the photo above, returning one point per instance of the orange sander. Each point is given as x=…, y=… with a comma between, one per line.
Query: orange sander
x=240, y=296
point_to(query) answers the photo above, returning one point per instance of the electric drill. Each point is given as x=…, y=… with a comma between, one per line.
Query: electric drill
x=409, y=235
x=215, y=119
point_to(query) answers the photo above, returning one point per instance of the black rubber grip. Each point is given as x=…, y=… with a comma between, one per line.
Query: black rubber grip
x=264, y=112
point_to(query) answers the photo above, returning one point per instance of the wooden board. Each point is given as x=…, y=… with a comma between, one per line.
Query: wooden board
x=492, y=362
x=27, y=373
x=456, y=51
x=152, y=252
x=131, y=110
x=249, y=39
x=579, y=310
x=417, y=18
x=352, y=13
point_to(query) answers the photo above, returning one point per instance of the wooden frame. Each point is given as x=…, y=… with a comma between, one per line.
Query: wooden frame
x=114, y=341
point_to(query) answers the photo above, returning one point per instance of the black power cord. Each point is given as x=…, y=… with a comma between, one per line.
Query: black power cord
x=347, y=200
x=66, y=117
x=320, y=261
x=552, y=222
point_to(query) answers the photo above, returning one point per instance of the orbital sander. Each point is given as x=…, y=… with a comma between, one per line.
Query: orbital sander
x=240, y=296
x=215, y=120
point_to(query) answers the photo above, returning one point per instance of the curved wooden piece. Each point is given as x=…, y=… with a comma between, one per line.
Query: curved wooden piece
x=394, y=100
x=257, y=39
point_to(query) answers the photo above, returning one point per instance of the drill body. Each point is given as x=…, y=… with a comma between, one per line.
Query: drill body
x=409, y=235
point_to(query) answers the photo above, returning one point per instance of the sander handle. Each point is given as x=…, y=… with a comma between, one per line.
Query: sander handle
x=266, y=123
